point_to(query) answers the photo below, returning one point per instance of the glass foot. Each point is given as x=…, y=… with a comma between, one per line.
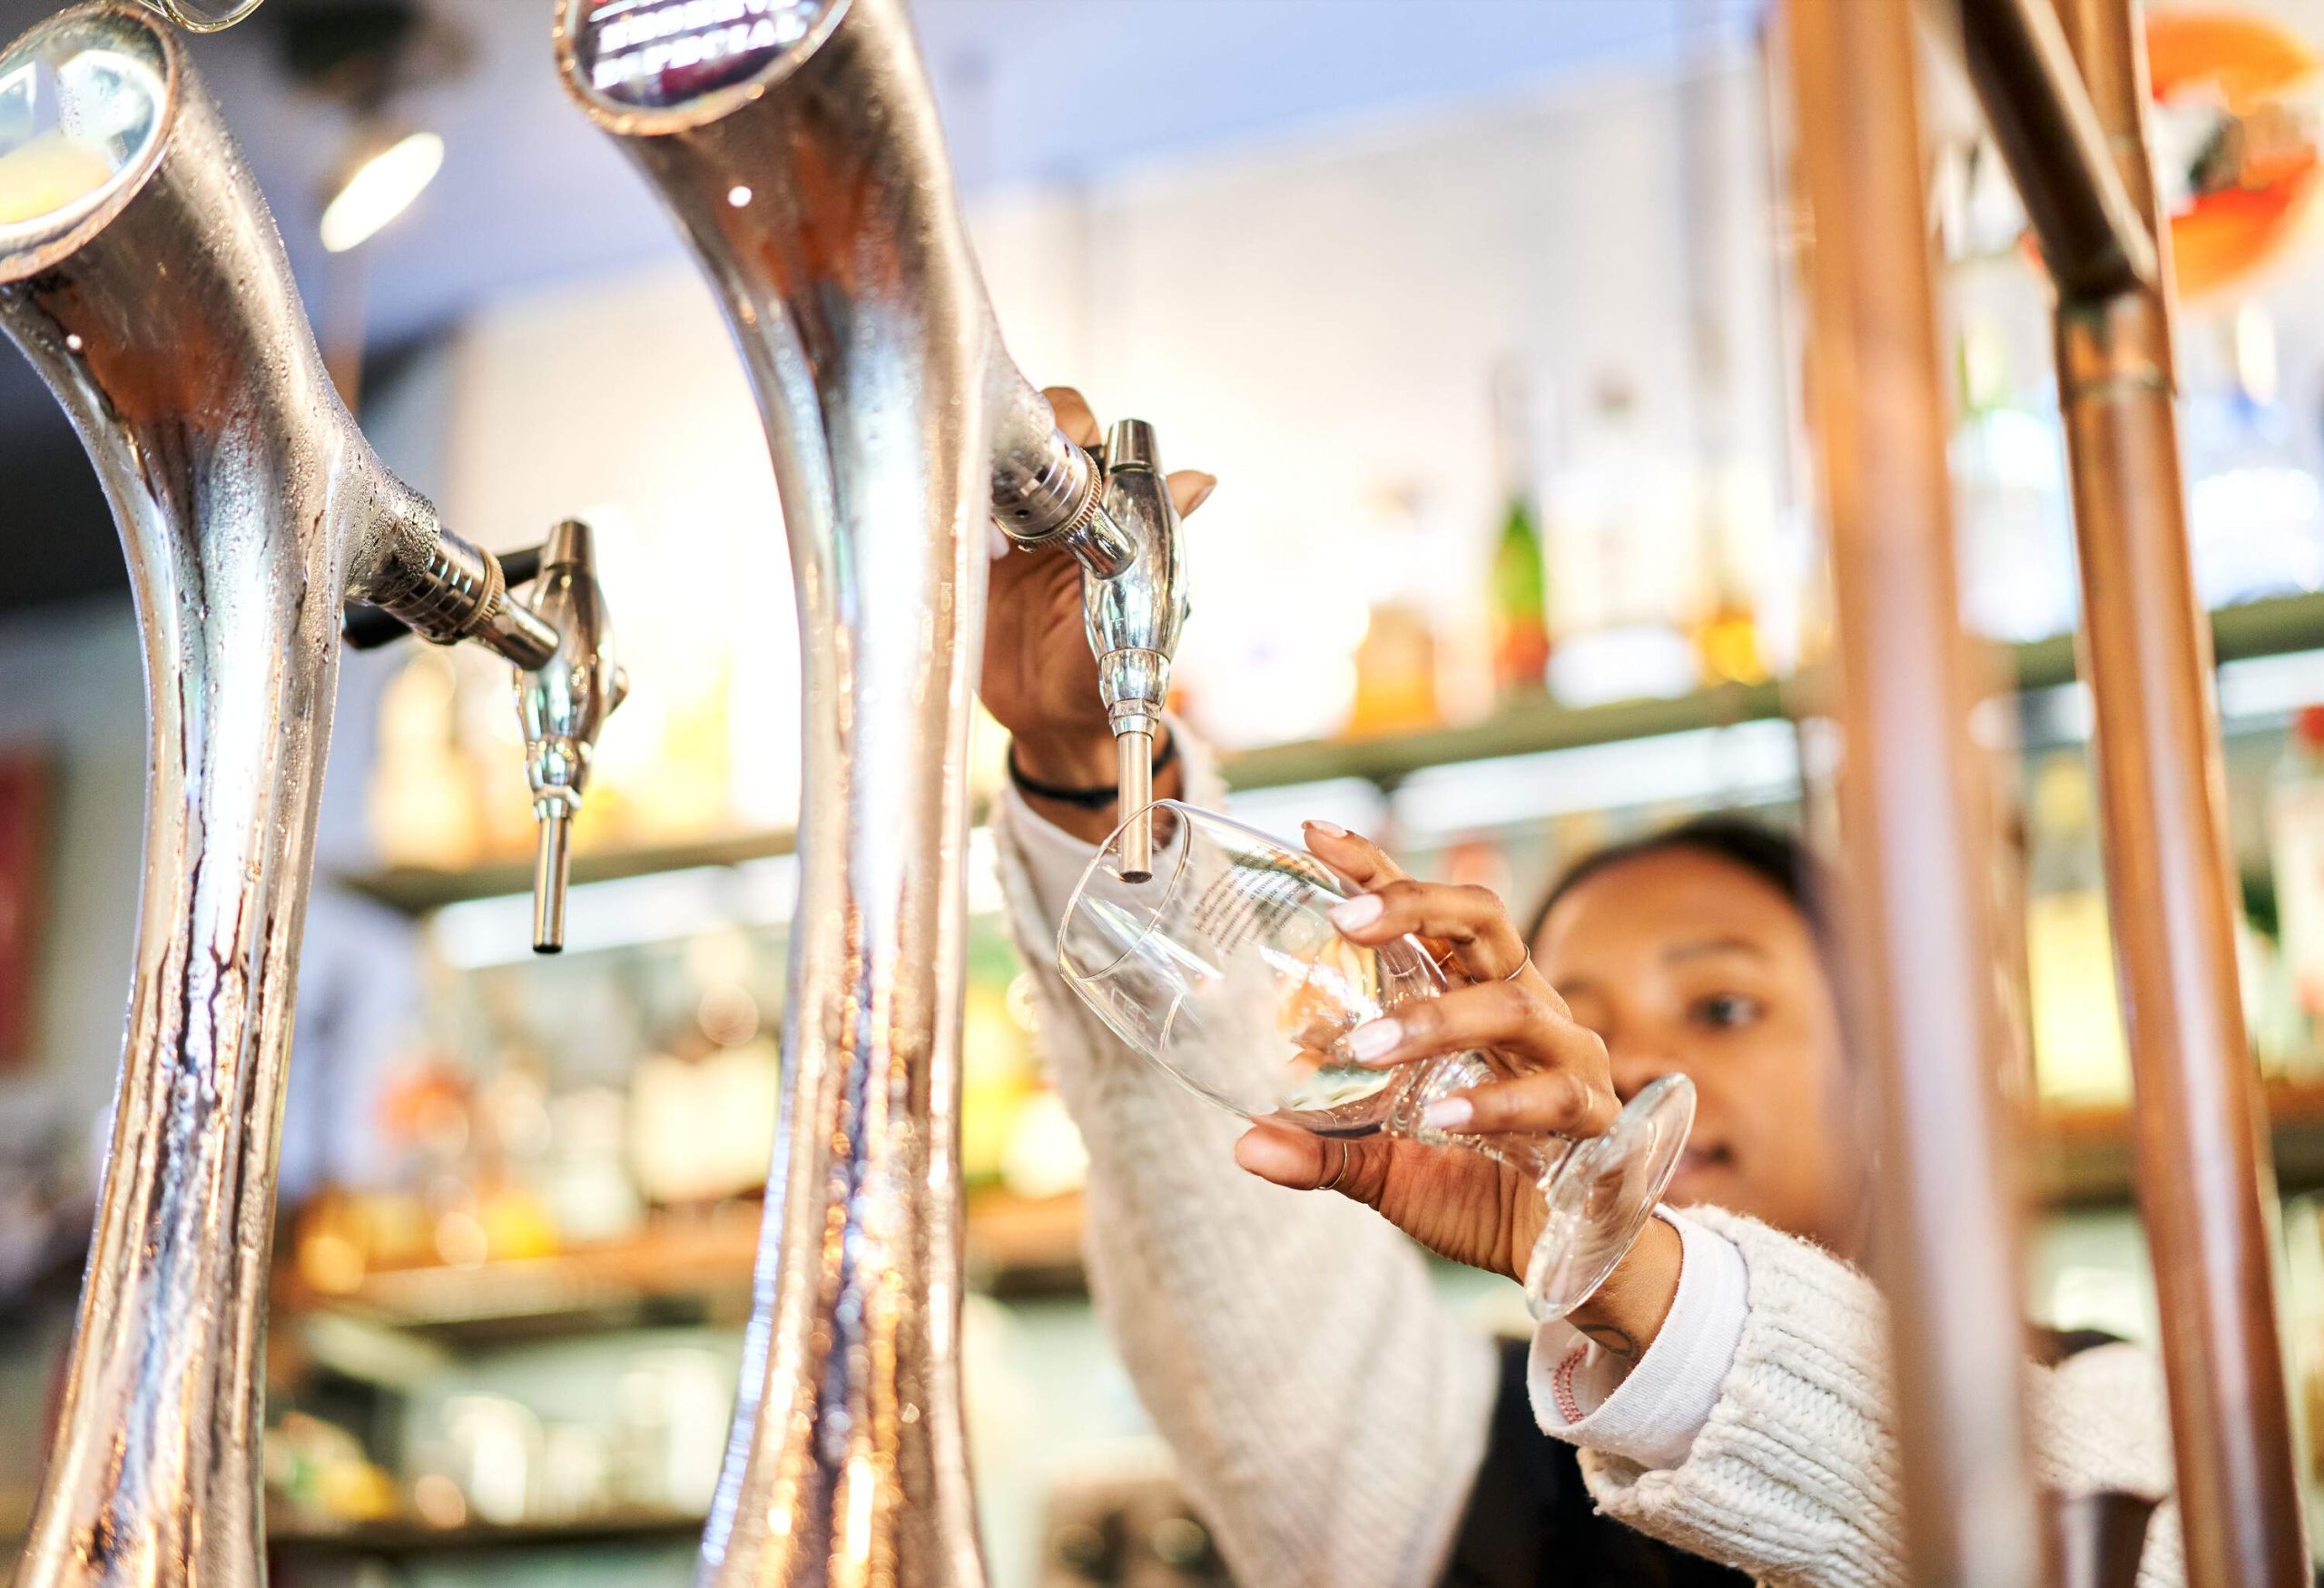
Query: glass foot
x=1602, y=1195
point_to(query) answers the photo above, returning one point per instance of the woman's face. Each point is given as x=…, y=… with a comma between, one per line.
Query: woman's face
x=1687, y=962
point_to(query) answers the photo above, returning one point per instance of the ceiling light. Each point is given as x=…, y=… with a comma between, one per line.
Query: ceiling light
x=380, y=188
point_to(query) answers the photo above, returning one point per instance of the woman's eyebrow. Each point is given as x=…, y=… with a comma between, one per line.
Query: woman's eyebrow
x=1703, y=947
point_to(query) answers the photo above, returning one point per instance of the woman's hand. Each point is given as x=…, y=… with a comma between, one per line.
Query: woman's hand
x=1040, y=680
x=1458, y=1203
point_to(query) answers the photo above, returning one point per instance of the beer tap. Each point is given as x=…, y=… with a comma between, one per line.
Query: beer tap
x=796, y=144
x=142, y=277
x=1114, y=514
x=567, y=680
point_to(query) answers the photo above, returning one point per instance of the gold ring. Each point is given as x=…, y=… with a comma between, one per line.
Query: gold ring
x=1346, y=1157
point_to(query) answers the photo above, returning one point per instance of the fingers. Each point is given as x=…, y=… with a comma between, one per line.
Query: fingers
x=1354, y=1167
x=1471, y=922
x=1073, y=415
x=1547, y=1102
x=1363, y=862
x=1522, y=1019
x=1189, y=489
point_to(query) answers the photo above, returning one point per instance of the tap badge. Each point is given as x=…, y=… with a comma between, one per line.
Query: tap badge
x=654, y=54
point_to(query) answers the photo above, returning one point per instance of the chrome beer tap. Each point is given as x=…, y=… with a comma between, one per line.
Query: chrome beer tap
x=568, y=682
x=142, y=275
x=796, y=144
x=1115, y=514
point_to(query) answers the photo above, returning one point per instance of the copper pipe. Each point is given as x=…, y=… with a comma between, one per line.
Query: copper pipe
x=1913, y=807
x=2204, y=1178
x=2091, y=232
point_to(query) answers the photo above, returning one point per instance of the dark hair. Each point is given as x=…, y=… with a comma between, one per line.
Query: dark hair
x=1772, y=855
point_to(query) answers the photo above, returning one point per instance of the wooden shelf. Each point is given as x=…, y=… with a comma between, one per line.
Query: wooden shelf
x=2083, y=1155
x=417, y=890
x=680, y=1270
x=1018, y=1247
x=400, y=1538
x=2262, y=628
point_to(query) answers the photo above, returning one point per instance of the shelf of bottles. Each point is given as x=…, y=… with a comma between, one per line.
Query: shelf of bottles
x=1614, y=648
x=577, y=1145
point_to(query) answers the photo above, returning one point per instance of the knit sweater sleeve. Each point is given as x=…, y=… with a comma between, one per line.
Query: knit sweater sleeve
x=1796, y=1477
x=1327, y=1412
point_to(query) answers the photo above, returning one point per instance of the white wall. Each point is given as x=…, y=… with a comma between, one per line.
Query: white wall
x=1317, y=322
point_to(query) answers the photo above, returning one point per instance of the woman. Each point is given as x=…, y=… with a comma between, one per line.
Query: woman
x=1726, y=1388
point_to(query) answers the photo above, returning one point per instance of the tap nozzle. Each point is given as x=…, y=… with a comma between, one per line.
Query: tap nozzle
x=1135, y=749
x=564, y=703
x=552, y=870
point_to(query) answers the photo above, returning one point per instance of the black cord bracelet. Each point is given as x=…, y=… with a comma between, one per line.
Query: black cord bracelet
x=1083, y=799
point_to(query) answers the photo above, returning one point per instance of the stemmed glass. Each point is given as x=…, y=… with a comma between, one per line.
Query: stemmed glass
x=1223, y=968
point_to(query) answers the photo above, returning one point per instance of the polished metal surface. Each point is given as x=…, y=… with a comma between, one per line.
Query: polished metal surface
x=142, y=276
x=2205, y=1184
x=2092, y=235
x=563, y=703
x=804, y=160
x=461, y=592
x=160, y=311
x=1913, y=804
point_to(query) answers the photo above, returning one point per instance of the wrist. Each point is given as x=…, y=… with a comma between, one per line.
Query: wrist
x=1085, y=760
x=1628, y=1310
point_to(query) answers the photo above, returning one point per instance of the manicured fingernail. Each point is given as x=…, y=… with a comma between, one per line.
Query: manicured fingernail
x=1201, y=496
x=1328, y=829
x=1447, y=1113
x=1375, y=1041
x=1362, y=911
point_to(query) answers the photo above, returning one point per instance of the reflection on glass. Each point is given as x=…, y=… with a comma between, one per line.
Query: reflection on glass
x=1222, y=966
x=204, y=16
x=77, y=107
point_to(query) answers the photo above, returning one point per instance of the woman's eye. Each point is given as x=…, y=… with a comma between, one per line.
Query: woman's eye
x=1726, y=1011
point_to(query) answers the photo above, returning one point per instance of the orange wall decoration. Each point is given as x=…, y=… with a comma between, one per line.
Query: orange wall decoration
x=2256, y=68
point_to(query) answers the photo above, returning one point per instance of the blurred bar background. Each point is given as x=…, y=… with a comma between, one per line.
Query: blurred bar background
x=1481, y=313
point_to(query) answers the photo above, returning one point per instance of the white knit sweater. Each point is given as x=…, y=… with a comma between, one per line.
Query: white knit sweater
x=1328, y=1414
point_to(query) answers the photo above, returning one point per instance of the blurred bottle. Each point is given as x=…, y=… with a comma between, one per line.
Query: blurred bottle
x=703, y=1112
x=998, y=1071
x=421, y=804
x=1739, y=541
x=2016, y=527
x=2080, y=1056
x=1396, y=662
x=1627, y=578
x=687, y=790
x=1517, y=588
x=2255, y=513
x=2296, y=853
